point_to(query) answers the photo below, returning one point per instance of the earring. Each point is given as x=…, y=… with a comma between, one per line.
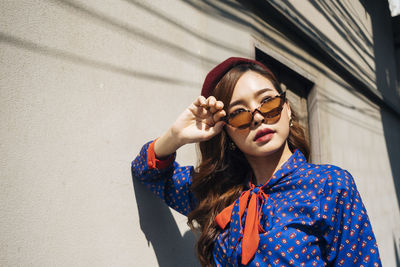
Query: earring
x=290, y=122
x=232, y=146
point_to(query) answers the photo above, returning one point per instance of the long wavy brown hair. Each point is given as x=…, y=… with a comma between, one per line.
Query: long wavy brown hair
x=222, y=173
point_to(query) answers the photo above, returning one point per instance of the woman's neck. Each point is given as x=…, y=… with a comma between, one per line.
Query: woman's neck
x=264, y=167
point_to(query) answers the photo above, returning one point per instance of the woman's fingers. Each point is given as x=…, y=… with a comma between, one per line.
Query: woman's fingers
x=200, y=101
x=219, y=105
x=213, y=119
x=218, y=115
x=214, y=105
x=199, y=107
x=209, y=110
x=217, y=128
x=211, y=102
x=216, y=108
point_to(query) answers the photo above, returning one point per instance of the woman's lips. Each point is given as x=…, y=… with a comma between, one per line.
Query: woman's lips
x=264, y=135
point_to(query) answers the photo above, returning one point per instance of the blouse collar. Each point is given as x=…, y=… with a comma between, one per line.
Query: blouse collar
x=295, y=161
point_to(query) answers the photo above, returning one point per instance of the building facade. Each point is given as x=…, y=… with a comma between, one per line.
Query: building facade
x=84, y=84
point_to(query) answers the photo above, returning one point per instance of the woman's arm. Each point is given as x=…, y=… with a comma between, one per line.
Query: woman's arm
x=155, y=165
x=199, y=122
x=347, y=229
x=165, y=178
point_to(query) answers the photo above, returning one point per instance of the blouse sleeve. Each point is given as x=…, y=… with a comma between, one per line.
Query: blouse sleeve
x=165, y=178
x=347, y=231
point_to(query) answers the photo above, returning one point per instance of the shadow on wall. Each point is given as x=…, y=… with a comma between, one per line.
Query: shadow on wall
x=86, y=61
x=159, y=226
x=340, y=16
x=386, y=84
x=247, y=13
x=260, y=16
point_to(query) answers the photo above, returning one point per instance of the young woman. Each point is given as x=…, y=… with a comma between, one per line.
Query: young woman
x=254, y=197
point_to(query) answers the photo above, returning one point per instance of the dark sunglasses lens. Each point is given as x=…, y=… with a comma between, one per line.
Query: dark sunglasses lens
x=273, y=116
x=241, y=120
x=273, y=113
x=271, y=110
x=271, y=104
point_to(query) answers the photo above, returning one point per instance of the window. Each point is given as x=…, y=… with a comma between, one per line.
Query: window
x=298, y=91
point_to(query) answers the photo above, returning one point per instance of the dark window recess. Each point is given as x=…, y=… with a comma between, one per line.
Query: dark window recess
x=297, y=86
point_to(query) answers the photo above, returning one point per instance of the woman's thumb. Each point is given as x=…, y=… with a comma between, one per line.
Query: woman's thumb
x=218, y=127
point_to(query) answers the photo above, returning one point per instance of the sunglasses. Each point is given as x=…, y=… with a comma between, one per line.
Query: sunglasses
x=270, y=108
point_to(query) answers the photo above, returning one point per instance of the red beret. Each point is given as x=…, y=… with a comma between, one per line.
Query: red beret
x=215, y=75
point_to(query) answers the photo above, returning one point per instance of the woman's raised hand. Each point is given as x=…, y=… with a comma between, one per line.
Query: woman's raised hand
x=199, y=122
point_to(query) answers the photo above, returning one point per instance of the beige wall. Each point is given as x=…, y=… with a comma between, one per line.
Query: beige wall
x=84, y=84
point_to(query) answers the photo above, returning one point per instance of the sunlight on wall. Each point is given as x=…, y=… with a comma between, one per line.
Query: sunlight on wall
x=394, y=6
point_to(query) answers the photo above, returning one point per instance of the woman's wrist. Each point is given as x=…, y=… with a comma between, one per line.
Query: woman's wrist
x=166, y=144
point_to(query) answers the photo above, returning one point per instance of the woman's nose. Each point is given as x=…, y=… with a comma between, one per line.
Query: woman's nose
x=258, y=118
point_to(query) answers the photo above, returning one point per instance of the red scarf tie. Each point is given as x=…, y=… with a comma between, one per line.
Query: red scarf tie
x=252, y=226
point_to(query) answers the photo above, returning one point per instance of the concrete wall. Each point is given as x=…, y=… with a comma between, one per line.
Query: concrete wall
x=84, y=84
x=396, y=38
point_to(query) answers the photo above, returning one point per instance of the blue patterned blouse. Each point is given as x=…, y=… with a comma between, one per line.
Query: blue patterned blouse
x=308, y=215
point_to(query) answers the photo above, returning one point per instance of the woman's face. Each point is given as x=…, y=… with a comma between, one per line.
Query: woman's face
x=260, y=139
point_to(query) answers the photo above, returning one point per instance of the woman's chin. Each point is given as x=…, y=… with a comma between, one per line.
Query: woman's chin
x=264, y=150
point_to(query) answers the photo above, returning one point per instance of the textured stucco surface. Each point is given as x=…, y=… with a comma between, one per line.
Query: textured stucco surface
x=84, y=84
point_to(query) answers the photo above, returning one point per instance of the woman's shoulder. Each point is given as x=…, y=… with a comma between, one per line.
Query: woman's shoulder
x=330, y=175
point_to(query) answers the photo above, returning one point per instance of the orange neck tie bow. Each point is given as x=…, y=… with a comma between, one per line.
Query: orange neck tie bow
x=252, y=226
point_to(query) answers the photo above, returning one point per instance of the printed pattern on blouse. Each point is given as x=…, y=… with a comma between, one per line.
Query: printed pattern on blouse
x=171, y=183
x=313, y=215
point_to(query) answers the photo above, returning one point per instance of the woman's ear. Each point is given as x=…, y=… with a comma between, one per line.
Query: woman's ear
x=289, y=111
